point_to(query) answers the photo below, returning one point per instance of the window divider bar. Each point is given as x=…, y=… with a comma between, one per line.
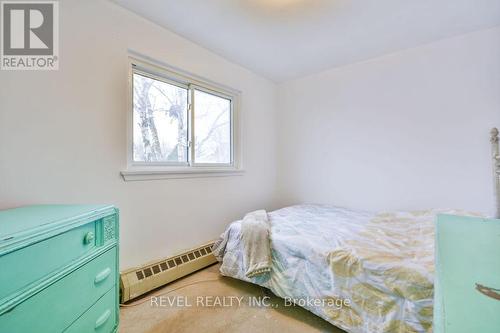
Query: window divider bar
x=191, y=126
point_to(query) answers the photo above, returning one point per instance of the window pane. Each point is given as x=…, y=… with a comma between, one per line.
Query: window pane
x=160, y=121
x=212, y=121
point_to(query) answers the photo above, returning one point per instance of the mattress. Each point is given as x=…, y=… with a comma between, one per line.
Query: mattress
x=360, y=271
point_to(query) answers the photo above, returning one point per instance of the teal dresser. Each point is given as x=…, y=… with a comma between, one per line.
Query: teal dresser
x=467, y=284
x=59, y=269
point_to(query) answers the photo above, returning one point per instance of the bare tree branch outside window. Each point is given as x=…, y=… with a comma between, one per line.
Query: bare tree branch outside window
x=160, y=120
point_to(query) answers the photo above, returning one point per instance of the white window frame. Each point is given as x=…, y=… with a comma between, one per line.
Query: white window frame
x=137, y=170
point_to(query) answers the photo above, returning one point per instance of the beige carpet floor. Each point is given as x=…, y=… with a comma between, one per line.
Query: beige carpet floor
x=213, y=307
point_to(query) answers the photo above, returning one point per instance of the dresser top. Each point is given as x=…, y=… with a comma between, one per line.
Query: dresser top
x=41, y=217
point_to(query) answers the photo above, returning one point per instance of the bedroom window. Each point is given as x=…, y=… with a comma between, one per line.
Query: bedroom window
x=180, y=126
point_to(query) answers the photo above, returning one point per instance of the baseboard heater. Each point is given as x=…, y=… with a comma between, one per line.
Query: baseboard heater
x=137, y=281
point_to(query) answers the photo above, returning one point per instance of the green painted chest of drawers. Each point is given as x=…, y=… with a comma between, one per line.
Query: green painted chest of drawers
x=467, y=283
x=59, y=269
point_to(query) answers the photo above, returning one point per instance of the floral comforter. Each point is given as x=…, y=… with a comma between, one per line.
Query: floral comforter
x=360, y=271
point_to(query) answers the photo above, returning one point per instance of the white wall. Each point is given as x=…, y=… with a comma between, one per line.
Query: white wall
x=405, y=131
x=63, y=133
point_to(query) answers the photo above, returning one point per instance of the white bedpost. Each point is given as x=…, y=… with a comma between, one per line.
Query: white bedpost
x=496, y=168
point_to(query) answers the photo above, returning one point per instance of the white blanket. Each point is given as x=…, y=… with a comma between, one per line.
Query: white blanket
x=255, y=242
x=254, y=234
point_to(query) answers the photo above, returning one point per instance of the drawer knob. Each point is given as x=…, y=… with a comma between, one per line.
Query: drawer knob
x=102, y=319
x=89, y=237
x=102, y=276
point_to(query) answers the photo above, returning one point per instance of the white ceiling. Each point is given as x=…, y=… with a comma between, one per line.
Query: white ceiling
x=285, y=39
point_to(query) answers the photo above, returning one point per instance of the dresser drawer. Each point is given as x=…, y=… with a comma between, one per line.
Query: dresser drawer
x=56, y=307
x=101, y=317
x=29, y=264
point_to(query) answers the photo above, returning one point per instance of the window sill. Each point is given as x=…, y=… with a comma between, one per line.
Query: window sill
x=158, y=174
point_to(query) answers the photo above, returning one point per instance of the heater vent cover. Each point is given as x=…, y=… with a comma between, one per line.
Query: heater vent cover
x=137, y=281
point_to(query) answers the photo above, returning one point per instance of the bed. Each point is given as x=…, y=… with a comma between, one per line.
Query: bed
x=360, y=271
